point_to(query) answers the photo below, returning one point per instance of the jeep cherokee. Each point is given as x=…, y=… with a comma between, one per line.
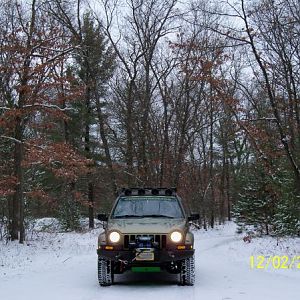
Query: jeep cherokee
x=146, y=231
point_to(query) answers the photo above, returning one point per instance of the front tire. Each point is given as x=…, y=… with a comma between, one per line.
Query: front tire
x=187, y=272
x=105, y=272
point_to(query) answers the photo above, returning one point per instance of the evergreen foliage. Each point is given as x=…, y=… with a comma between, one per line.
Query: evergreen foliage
x=69, y=214
x=287, y=214
x=267, y=203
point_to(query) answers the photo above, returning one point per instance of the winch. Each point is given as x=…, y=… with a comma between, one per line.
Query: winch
x=144, y=242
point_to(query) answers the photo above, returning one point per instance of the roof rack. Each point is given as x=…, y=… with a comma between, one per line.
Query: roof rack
x=138, y=191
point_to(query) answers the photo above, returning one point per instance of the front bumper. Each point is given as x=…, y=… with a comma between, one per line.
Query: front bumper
x=160, y=256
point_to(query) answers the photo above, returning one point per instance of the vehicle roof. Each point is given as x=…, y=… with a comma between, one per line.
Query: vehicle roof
x=149, y=192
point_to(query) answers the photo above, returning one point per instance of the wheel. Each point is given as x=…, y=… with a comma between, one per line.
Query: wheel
x=105, y=272
x=187, y=272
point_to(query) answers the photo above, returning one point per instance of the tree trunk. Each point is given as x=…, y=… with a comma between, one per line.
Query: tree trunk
x=108, y=158
x=17, y=222
x=228, y=190
x=90, y=186
x=91, y=205
x=211, y=166
x=129, y=135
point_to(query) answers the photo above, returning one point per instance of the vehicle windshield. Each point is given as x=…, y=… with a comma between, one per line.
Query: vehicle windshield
x=148, y=206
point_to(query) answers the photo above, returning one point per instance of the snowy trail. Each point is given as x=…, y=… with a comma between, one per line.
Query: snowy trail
x=222, y=273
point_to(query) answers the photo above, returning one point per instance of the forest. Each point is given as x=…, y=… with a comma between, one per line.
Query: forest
x=200, y=95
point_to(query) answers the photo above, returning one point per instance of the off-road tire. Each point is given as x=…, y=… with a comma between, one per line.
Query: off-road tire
x=187, y=272
x=105, y=272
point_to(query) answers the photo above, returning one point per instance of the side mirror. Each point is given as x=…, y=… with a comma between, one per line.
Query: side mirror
x=102, y=217
x=194, y=217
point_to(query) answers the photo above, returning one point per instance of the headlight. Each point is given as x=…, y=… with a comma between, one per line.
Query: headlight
x=114, y=237
x=176, y=236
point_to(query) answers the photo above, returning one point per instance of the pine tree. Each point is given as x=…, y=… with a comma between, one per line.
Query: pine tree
x=94, y=66
x=268, y=203
x=287, y=215
x=286, y=218
x=257, y=201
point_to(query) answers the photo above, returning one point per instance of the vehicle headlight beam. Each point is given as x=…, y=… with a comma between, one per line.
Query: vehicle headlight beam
x=176, y=236
x=114, y=237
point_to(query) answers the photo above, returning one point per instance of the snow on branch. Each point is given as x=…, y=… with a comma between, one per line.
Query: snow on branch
x=53, y=106
x=262, y=119
x=11, y=138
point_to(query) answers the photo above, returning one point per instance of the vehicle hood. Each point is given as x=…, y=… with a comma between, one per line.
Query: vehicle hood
x=146, y=225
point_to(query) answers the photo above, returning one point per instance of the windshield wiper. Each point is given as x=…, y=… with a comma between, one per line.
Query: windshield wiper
x=127, y=216
x=157, y=216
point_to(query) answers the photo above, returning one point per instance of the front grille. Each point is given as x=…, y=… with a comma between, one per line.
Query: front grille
x=161, y=239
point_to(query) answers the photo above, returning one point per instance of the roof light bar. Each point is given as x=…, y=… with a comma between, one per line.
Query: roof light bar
x=148, y=191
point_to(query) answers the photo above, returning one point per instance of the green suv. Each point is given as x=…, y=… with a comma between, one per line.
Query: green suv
x=146, y=231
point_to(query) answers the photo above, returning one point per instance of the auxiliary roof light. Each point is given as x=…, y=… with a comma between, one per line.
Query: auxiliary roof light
x=155, y=192
x=128, y=192
x=141, y=192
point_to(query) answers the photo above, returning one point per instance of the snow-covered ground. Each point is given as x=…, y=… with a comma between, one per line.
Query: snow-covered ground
x=63, y=266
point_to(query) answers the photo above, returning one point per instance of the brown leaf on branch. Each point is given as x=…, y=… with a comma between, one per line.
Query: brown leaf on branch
x=60, y=158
